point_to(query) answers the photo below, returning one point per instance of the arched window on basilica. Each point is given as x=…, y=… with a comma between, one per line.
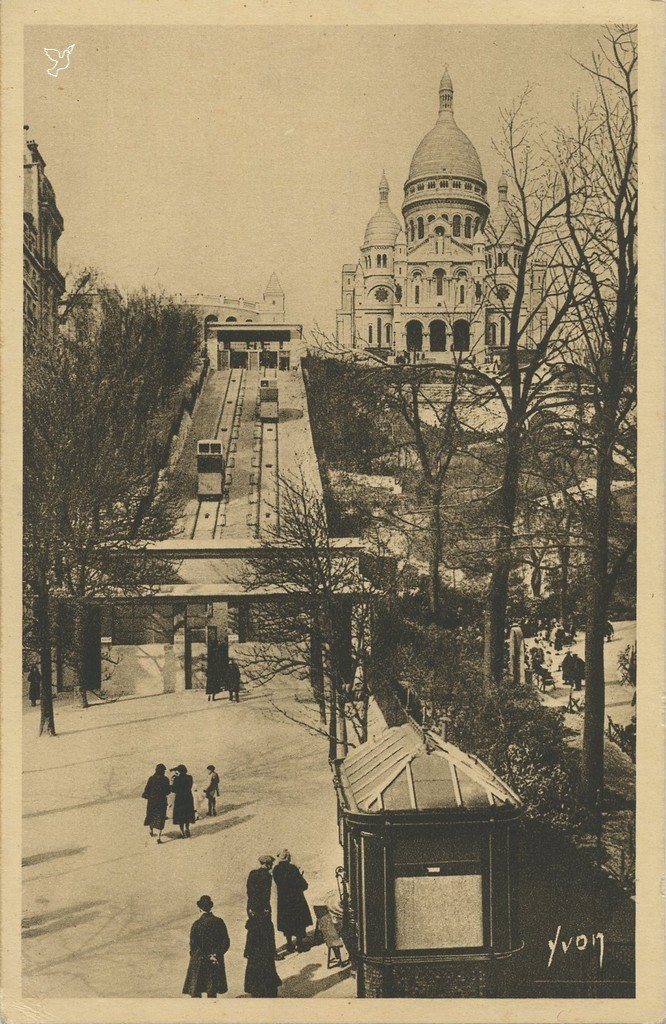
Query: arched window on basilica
x=491, y=334
x=503, y=331
x=439, y=282
x=370, y=334
x=411, y=230
x=420, y=226
x=468, y=227
x=456, y=226
x=478, y=291
x=384, y=259
x=379, y=260
x=462, y=293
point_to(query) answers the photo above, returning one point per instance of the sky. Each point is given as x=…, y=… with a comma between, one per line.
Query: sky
x=200, y=159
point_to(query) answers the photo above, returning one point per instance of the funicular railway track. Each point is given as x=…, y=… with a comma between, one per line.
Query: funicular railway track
x=209, y=513
x=267, y=520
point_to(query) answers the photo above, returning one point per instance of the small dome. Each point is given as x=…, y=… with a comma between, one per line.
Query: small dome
x=503, y=226
x=383, y=227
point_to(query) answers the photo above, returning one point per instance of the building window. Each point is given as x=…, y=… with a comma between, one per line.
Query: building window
x=419, y=223
x=411, y=230
x=462, y=292
x=468, y=227
x=489, y=261
x=420, y=187
x=439, y=282
x=456, y=226
x=379, y=260
x=503, y=331
x=476, y=225
x=443, y=184
x=417, y=294
x=468, y=186
x=478, y=291
x=384, y=260
x=379, y=331
x=456, y=184
x=431, y=184
x=388, y=334
x=516, y=257
x=370, y=334
x=431, y=218
x=492, y=334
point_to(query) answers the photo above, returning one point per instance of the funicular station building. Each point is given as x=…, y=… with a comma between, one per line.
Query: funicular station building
x=244, y=335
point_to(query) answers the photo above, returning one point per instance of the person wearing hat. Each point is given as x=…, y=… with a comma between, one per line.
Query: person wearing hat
x=156, y=792
x=183, y=804
x=293, y=913
x=209, y=941
x=259, y=883
x=212, y=790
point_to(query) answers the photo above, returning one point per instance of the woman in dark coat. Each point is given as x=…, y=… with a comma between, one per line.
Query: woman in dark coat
x=156, y=793
x=261, y=978
x=209, y=941
x=34, y=685
x=183, y=804
x=293, y=913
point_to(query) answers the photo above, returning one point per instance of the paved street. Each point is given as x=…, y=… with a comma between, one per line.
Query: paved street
x=106, y=911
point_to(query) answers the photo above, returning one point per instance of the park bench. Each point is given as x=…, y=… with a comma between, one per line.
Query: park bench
x=330, y=935
x=623, y=736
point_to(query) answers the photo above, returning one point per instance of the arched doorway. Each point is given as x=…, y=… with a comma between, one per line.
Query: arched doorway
x=208, y=322
x=414, y=335
x=461, y=336
x=437, y=336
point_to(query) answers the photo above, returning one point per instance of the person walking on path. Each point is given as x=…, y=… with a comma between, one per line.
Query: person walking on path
x=209, y=941
x=261, y=978
x=259, y=884
x=156, y=792
x=567, y=669
x=212, y=790
x=233, y=680
x=576, y=671
x=609, y=632
x=34, y=685
x=293, y=913
x=183, y=804
x=213, y=682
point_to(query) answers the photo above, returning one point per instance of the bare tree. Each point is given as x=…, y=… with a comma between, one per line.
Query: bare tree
x=92, y=440
x=322, y=630
x=599, y=171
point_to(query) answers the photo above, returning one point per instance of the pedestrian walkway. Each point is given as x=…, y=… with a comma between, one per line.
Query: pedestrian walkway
x=619, y=697
x=99, y=893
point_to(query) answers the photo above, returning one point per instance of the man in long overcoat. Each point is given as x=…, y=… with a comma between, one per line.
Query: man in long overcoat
x=233, y=680
x=293, y=913
x=259, y=884
x=209, y=941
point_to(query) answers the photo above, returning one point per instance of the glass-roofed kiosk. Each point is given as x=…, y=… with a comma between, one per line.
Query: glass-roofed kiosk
x=430, y=849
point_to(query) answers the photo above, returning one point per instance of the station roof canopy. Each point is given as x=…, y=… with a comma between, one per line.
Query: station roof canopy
x=407, y=770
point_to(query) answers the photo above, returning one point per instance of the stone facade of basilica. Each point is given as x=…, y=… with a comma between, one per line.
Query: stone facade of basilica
x=440, y=280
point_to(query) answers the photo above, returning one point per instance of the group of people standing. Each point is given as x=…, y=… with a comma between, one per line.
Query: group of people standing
x=159, y=787
x=209, y=937
x=221, y=676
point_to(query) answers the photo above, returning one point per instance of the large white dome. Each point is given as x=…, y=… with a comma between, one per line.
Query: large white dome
x=446, y=149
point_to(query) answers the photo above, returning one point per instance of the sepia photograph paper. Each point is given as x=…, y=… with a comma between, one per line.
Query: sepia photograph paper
x=328, y=571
